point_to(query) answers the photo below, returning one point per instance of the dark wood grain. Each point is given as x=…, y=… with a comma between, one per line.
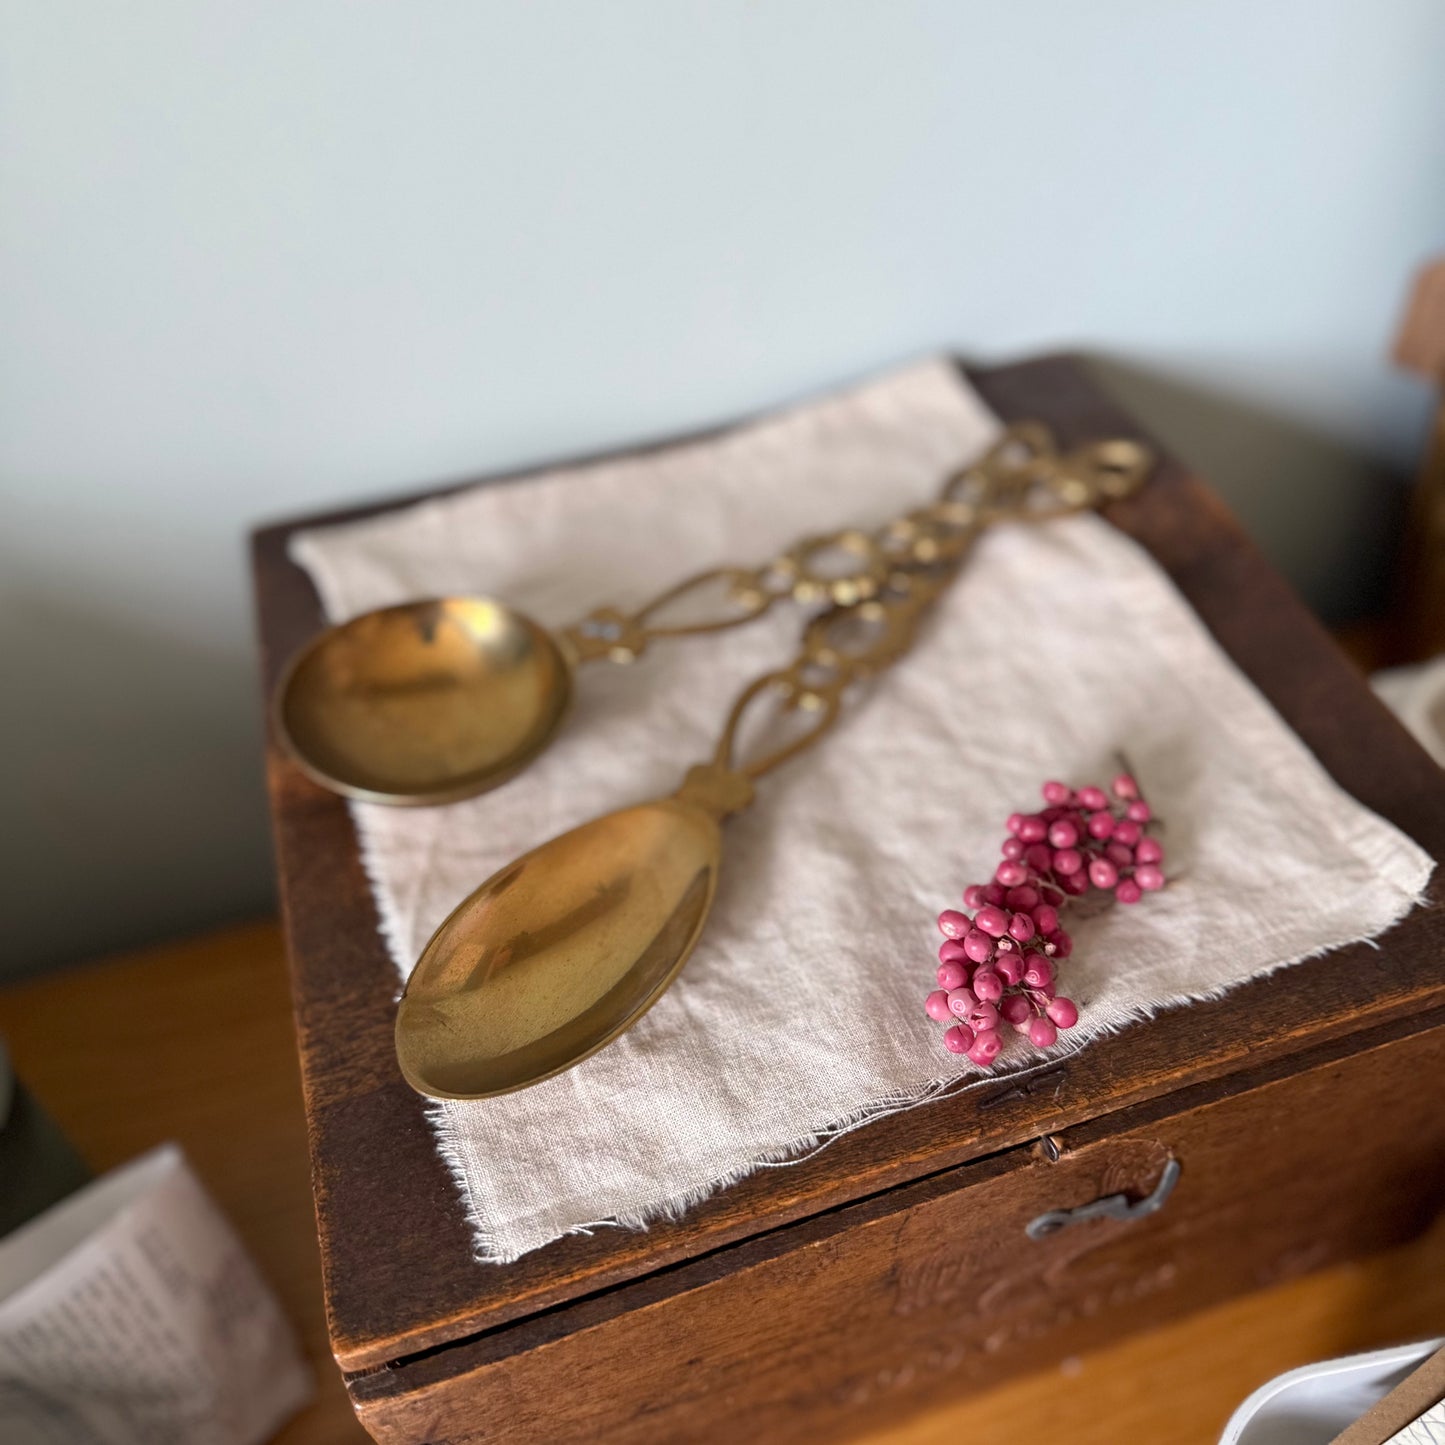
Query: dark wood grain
x=831, y=1328
x=400, y=1281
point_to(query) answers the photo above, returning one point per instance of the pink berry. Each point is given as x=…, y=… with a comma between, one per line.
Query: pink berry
x=1010, y=968
x=991, y=920
x=1063, y=1011
x=958, y=1039
x=1039, y=973
x=988, y=985
x=1042, y=1034
x=978, y=946
x=952, y=923
x=986, y=1047
x=999, y=966
x=952, y=975
x=961, y=1002
x=936, y=1005
x=982, y=1017
x=1015, y=1009
x=1149, y=877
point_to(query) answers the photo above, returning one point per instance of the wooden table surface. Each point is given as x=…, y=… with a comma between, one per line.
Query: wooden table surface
x=193, y=1042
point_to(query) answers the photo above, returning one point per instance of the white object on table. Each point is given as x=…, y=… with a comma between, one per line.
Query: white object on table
x=1311, y=1405
x=130, y=1314
x=1416, y=695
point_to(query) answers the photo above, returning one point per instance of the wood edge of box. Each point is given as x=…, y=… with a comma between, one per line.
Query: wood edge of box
x=410, y=1375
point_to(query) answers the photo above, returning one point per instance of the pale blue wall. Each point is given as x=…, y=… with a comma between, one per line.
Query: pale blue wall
x=260, y=257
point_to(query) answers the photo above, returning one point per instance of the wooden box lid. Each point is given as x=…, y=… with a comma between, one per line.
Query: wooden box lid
x=400, y=1279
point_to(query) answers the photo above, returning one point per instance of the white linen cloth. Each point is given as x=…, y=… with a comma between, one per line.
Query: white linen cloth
x=801, y=1011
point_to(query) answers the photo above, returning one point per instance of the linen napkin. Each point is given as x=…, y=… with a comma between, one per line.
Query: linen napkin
x=801, y=1011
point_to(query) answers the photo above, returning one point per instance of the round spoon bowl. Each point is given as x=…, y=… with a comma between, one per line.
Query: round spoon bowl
x=427, y=702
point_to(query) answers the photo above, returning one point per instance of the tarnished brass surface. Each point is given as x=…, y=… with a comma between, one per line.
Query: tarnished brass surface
x=428, y=702
x=436, y=701
x=560, y=952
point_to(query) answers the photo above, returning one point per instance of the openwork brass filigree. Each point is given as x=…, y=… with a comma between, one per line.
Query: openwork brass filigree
x=1022, y=477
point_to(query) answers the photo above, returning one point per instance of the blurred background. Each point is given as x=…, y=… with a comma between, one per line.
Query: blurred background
x=264, y=258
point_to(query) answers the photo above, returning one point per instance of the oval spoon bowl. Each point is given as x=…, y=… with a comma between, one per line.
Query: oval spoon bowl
x=558, y=953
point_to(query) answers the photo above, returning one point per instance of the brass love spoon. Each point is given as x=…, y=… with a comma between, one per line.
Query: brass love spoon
x=565, y=948
x=438, y=700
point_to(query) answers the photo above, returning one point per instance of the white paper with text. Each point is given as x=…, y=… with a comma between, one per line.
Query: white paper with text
x=131, y=1314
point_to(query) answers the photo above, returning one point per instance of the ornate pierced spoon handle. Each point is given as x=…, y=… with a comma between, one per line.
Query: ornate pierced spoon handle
x=849, y=642
x=1022, y=476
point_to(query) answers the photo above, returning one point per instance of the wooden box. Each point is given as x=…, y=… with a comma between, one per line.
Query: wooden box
x=818, y=1301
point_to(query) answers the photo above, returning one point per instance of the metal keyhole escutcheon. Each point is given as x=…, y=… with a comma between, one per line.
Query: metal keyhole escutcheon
x=1111, y=1206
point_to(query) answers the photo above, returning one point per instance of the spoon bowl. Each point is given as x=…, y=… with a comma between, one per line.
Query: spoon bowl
x=426, y=702
x=559, y=952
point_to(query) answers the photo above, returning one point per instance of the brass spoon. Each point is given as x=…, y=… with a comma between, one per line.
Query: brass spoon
x=439, y=700
x=564, y=949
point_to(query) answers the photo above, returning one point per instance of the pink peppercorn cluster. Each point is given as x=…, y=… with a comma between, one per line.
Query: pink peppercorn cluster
x=998, y=963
